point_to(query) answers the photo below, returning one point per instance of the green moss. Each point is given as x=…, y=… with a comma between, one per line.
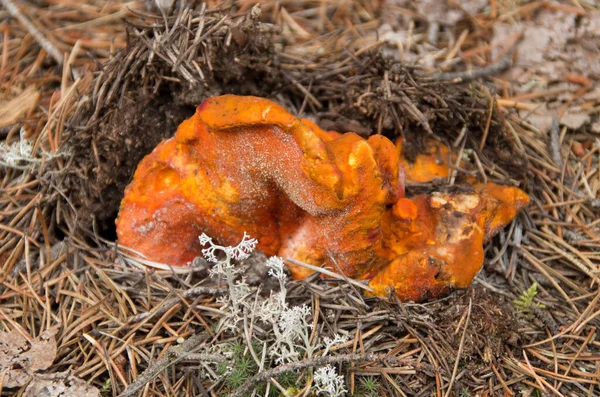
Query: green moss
x=368, y=387
x=525, y=301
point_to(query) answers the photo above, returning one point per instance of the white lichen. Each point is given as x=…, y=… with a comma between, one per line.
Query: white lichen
x=236, y=303
x=328, y=382
x=20, y=156
x=288, y=328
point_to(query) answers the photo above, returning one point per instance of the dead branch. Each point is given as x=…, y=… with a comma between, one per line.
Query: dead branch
x=316, y=362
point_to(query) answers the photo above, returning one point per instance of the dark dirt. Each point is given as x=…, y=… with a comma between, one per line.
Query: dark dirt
x=118, y=143
x=492, y=323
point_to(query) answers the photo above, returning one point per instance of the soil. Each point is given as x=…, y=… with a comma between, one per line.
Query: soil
x=119, y=142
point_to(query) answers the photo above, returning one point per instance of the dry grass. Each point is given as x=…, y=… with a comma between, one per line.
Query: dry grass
x=321, y=59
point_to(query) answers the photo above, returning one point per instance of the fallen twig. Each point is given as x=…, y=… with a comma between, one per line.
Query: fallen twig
x=315, y=362
x=469, y=75
x=555, y=142
x=173, y=355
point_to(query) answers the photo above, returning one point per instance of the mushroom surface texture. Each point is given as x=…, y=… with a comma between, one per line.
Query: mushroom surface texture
x=245, y=164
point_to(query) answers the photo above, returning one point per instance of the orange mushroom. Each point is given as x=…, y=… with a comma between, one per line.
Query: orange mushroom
x=244, y=164
x=433, y=162
x=435, y=242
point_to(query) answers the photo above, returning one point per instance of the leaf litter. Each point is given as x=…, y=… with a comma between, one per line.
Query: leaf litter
x=558, y=52
x=124, y=86
x=21, y=359
x=59, y=385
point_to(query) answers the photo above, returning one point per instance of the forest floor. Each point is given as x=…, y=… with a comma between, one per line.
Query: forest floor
x=88, y=88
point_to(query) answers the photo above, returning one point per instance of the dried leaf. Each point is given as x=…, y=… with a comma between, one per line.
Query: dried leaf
x=574, y=120
x=443, y=12
x=542, y=118
x=21, y=359
x=59, y=384
x=553, y=44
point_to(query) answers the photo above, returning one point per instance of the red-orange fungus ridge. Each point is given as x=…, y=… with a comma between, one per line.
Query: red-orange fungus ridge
x=245, y=164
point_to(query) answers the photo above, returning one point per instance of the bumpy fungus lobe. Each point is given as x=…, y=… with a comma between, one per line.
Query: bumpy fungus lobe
x=244, y=164
x=432, y=163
